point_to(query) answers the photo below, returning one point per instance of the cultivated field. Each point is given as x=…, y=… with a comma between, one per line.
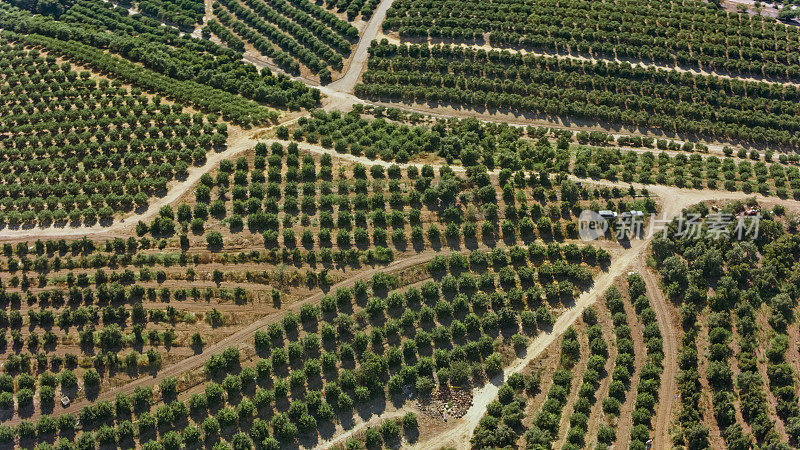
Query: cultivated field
x=363, y=224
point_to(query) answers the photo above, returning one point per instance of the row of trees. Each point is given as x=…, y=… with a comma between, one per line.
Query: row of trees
x=467, y=140
x=299, y=43
x=720, y=378
x=342, y=27
x=544, y=429
x=623, y=368
x=650, y=374
x=592, y=377
x=205, y=98
x=354, y=7
x=255, y=35
x=339, y=38
x=175, y=70
x=494, y=64
x=688, y=34
x=580, y=91
x=694, y=170
x=752, y=391
x=183, y=13
x=401, y=344
x=230, y=39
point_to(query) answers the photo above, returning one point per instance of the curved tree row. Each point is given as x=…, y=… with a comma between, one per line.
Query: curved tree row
x=344, y=28
x=288, y=43
x=180, y=61
x=183, y=13
x=685, y=266
x=339, y=43
x=78, y=148
x=230, y=39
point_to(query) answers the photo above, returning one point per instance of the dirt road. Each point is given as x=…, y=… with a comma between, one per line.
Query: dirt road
x=348, y=81
x=669, y=334
x=237, y=144
x=674, y=200
x=459, y=435
x=245, y=334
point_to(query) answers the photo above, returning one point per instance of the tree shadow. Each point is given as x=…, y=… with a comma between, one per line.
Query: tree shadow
x=453, y=243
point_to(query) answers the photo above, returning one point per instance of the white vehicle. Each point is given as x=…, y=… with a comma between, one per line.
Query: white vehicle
x=608, y=215
x=65, y=401
x=630, y=214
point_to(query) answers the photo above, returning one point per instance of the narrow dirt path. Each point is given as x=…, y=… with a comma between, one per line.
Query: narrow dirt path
x=577, y=380
x=459, y=435
x=706, y=392
x=359, y=62
x=671, y=196
x=246, y=333
x=625, y=418
x=668, y=393
x=597, y=417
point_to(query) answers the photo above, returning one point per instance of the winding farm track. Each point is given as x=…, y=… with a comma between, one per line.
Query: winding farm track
x=674, y=200
x=669, y=389
x=348, y=81
x=247, y=140
x=339, y=95
x=245, y=334
x=459, y=435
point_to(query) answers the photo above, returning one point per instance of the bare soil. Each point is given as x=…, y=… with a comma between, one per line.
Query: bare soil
x=577, y=381
x=706, y=393
x=670, y=332
x=764, y=335
x=597, y=416
x=625, y=422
